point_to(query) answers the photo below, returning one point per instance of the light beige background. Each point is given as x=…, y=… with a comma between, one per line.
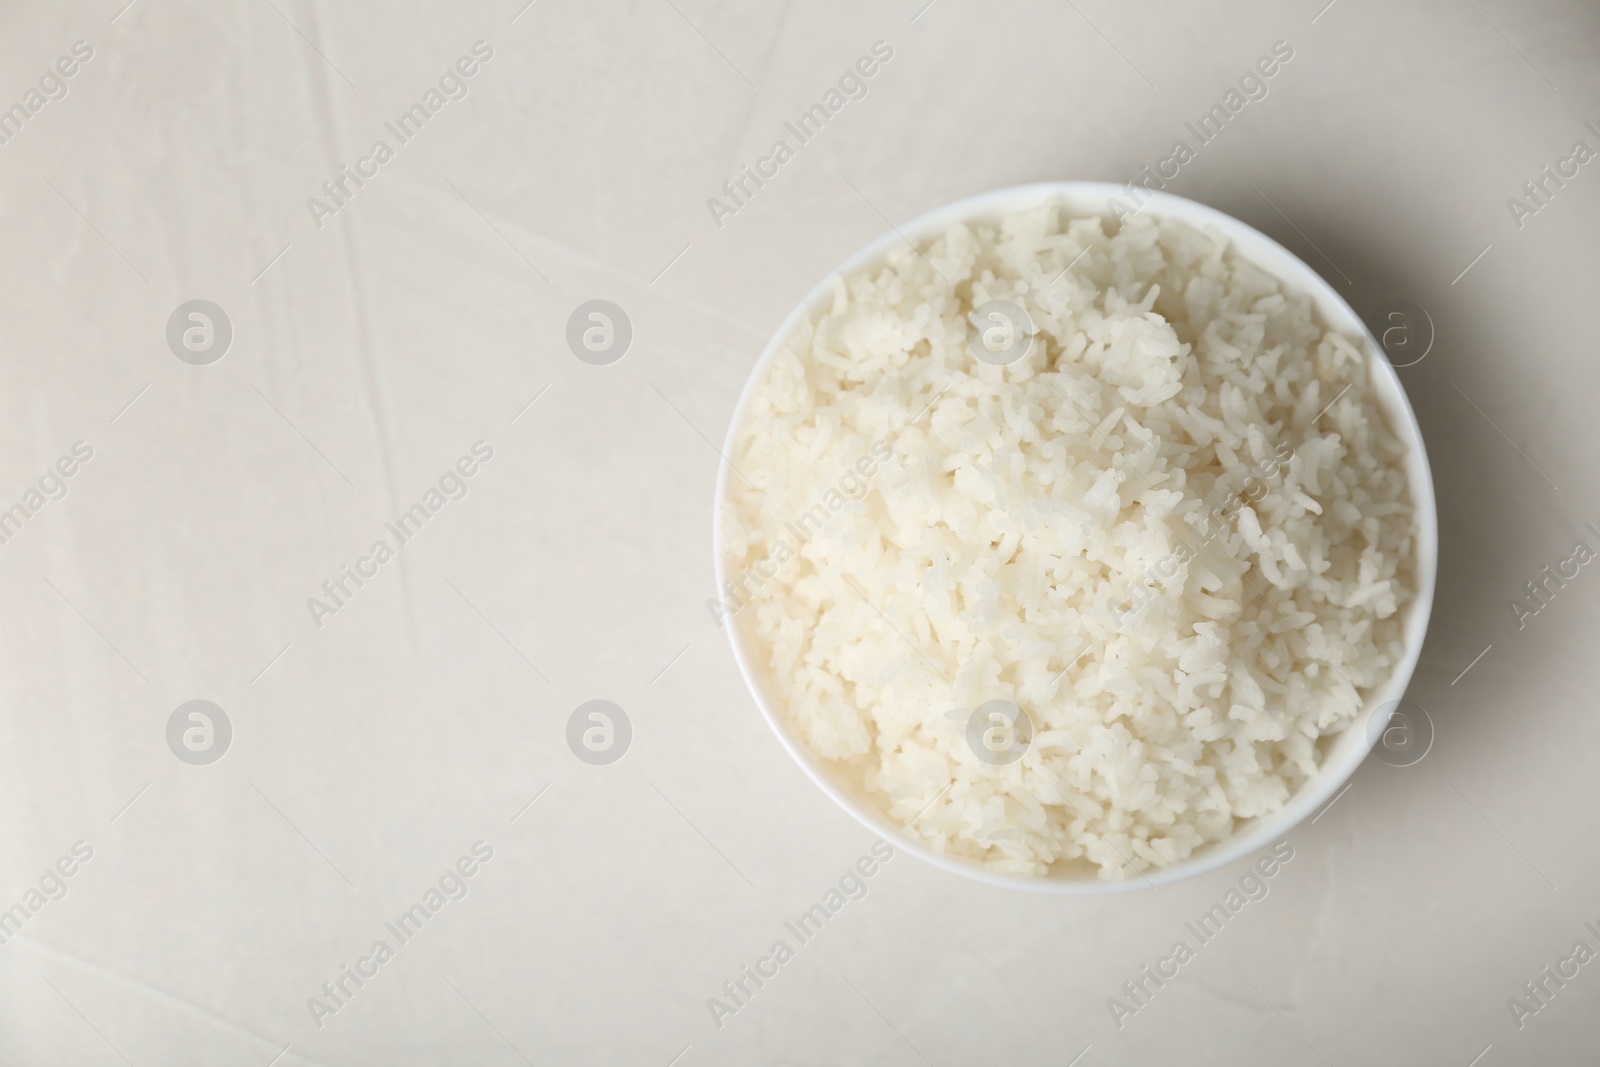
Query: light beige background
x=426, y=714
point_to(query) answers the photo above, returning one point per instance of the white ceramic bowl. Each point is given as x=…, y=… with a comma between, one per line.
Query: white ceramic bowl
x=1341, y=754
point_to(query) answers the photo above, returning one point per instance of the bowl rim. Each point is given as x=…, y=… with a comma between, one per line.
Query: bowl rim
x=1330, y=307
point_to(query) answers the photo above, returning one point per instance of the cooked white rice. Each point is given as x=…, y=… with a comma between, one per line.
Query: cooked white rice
x=1034, y=533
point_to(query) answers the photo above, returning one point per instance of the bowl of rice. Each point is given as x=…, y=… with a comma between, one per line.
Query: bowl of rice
x=1075, y=542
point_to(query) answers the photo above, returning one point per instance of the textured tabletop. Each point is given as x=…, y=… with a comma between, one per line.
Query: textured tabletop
x=285, y=281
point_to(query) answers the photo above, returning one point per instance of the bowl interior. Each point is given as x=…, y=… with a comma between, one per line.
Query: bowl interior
x=1342, y=753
